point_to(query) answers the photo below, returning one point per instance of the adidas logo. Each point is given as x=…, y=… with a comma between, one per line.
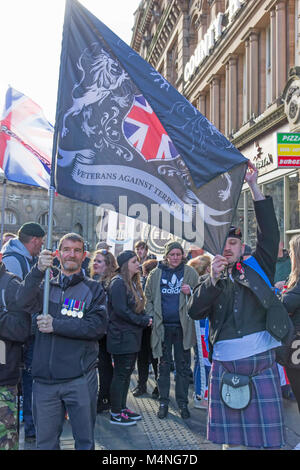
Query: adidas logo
x=174, y=286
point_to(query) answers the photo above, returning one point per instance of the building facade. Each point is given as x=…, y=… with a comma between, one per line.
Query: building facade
x=24, y=203
x=238, y=62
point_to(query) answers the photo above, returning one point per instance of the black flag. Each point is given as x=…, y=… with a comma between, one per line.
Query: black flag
x=129, y=139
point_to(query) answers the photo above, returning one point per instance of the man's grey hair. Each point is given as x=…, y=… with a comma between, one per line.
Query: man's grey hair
x=74, y=237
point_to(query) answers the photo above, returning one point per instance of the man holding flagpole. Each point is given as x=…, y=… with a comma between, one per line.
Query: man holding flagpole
x=66, y=350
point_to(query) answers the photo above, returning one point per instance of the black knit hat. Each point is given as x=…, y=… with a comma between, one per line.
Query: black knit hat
x=171, y=246
x=32, y=229
x=234, y=232
x=124, y=257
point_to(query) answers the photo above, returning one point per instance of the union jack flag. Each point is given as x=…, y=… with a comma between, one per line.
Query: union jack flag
x=25, y=141
x=144, y=131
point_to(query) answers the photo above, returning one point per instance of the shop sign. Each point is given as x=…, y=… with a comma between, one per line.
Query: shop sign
x=288, y=149
x=213, y=33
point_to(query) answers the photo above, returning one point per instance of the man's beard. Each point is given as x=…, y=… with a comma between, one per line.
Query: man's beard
x=75, y=266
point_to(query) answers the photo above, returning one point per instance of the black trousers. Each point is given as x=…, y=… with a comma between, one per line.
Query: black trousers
x=145, y=358
x=174, y=339
x=123, y=368
x=294, y=378
x=105, y=370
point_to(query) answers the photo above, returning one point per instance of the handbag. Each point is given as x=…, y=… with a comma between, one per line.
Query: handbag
x=235, y=390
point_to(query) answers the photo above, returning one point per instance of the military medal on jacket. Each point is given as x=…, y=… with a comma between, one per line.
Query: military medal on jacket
x=73, y=308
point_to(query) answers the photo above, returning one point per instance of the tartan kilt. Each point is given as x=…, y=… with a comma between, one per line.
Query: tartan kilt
x=261, y=423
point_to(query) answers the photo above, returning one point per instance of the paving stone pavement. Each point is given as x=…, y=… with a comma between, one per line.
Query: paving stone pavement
x=171, y=433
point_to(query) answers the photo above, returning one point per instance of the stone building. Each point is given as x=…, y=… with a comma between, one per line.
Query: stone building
x=238, y=62
x=24, y=203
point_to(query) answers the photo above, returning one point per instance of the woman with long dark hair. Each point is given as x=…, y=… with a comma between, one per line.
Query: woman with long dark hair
x=127, y=319
x=103, y=267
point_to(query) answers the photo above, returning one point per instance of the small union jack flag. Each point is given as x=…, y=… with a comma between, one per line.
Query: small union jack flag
x=144, y=131
x=25, y=141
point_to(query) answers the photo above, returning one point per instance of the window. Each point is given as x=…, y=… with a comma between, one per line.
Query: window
x=245, y=101
x=9, y=217
x=44, y=219
x=276, y=190
x=238, y=220
x=251, y=221
x=78, y=229
x=293, y=182
x=172, y=64
x=268, y=68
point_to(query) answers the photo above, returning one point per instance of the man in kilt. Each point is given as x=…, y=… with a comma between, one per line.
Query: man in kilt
x=246, y=325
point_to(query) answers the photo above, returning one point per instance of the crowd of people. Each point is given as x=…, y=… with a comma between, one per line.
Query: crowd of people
x=107, y=315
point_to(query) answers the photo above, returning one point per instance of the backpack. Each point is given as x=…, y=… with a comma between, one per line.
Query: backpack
x=22, y=262
x=4, y=281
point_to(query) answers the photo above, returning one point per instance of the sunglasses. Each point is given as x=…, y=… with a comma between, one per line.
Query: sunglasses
x=103, y=252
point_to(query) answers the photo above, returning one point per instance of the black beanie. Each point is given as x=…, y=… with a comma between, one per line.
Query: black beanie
x=124, y=257
x=234, y=232
x=32, y=229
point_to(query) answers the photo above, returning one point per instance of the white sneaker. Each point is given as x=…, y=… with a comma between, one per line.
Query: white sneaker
x=297, y=446
x=200, y=403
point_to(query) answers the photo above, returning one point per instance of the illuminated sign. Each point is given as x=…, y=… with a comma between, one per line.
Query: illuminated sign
x=288, y=149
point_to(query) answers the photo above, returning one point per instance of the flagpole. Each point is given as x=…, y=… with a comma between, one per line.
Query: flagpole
x=54, y=152
x=49, y=247
x=3, y=210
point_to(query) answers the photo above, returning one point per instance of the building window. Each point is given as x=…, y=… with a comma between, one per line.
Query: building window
x=245, y=97
x=276, y=190
x=172, y=64
x=238, y=220
x=44, y=219
x=293, y=182
x=78, y=229
x=268, y=68
x=251, y=225
x=9, y=217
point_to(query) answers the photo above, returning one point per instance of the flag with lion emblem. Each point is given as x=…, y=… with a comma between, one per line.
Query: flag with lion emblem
x=127, y=138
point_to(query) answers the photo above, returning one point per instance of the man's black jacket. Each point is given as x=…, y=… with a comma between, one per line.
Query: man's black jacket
x=14, y=329
x=248, y=305
x=72, y=349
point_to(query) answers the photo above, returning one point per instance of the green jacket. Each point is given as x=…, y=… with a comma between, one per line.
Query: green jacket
x=153, y=308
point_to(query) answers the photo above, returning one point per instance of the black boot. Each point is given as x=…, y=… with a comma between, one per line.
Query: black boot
x=139, y=391
x=103, y=404
x=163, y=411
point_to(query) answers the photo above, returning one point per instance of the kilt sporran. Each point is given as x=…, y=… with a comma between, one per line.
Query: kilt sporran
x=235, y=390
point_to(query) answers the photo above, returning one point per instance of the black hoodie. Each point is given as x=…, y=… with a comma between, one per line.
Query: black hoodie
x=14, y=329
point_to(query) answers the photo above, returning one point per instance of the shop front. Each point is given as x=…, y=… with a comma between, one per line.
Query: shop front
x=282, y=184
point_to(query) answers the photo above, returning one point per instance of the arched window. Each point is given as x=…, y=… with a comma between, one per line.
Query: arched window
x=78, y=229
x=9, y=217
x=44, y=219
